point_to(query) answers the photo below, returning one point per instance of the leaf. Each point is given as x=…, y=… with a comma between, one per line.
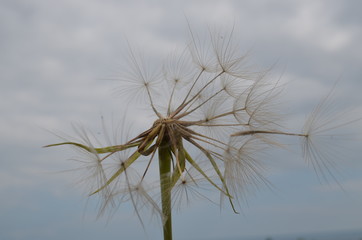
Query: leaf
x=110, y=149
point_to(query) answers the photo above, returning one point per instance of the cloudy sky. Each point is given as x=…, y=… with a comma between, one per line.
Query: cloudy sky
x=56, y=57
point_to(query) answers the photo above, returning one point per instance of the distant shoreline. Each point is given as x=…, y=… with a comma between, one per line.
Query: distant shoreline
x=354, y=234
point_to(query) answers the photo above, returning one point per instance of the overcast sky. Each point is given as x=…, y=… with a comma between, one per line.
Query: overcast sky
x=56, y=55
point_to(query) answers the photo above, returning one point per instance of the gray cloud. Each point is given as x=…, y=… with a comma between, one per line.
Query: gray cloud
x=55, y=55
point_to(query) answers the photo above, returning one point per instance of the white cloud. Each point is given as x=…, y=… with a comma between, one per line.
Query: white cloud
x=53, y=51
x=211, y=12
x=313, y=23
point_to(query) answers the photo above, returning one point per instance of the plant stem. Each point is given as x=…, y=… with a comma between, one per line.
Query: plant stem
x=164, y=153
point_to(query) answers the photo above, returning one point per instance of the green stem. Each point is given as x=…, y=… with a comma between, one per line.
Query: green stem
x=164, y=153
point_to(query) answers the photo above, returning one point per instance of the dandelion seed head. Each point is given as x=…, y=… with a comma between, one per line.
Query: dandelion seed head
x=212, y=117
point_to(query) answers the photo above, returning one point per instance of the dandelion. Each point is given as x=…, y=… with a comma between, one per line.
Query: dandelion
x=213, y=114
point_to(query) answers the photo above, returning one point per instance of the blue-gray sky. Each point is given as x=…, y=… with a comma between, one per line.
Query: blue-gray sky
x=55, y=55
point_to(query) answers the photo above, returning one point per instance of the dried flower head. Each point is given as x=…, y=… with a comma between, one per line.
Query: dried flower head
x=212, y=114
